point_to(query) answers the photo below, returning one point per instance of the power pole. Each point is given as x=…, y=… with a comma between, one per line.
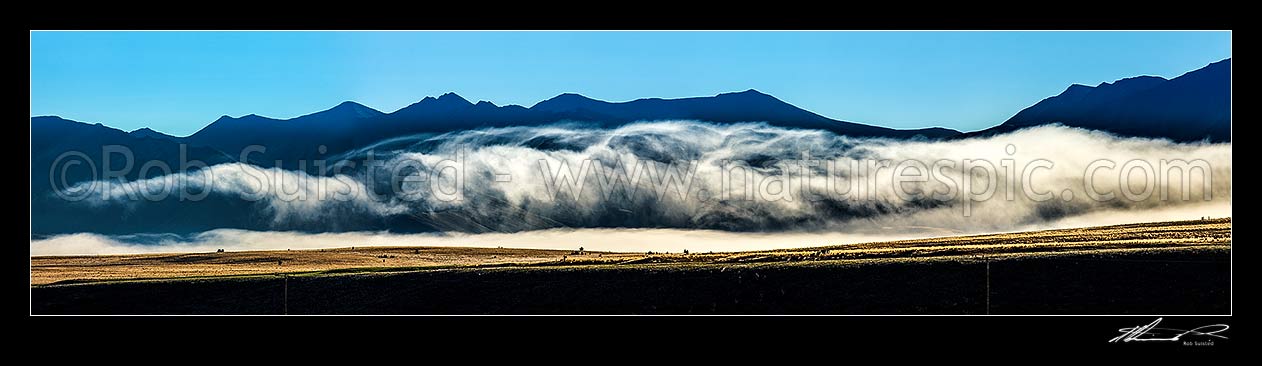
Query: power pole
x=286, y=294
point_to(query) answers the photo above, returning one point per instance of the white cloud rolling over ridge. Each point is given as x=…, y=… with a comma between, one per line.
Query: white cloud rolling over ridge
x=743, y=184
x=598, y=239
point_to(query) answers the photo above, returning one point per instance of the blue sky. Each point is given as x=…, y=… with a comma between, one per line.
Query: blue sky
x=177, y=82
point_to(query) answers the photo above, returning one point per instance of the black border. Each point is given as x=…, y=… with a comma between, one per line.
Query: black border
x=971, y=336
x=975, y=337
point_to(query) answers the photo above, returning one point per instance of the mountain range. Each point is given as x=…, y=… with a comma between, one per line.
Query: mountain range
x=349, y=125
x=1193, y=107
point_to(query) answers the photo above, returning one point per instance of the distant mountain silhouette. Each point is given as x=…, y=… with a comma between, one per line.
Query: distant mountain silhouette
x=150, y=133
x=291, y=139
x=746, y=106
x=80, y=148
x=52, y=136
x=350, y=125
x=1192, y=107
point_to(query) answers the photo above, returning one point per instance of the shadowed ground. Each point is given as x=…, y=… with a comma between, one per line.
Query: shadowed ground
x=1153, y=268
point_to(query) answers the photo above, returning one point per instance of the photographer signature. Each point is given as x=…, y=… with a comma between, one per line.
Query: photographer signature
x=1151, y=333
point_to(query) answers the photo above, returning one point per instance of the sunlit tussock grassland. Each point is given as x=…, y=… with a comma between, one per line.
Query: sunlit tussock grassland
x=1198, y=235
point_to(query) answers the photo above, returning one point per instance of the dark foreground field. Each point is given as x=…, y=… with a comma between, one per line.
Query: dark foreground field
x=1173, y=268
x=1164, y=282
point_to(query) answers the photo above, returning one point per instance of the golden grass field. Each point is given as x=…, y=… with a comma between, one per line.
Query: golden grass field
x=1213, y=234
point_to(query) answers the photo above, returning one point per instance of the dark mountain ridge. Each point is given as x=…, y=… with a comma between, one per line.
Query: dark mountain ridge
x=1195, y=106
x=349, y=125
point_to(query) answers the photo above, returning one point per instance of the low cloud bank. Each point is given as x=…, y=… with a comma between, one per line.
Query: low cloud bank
x=699, y=176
